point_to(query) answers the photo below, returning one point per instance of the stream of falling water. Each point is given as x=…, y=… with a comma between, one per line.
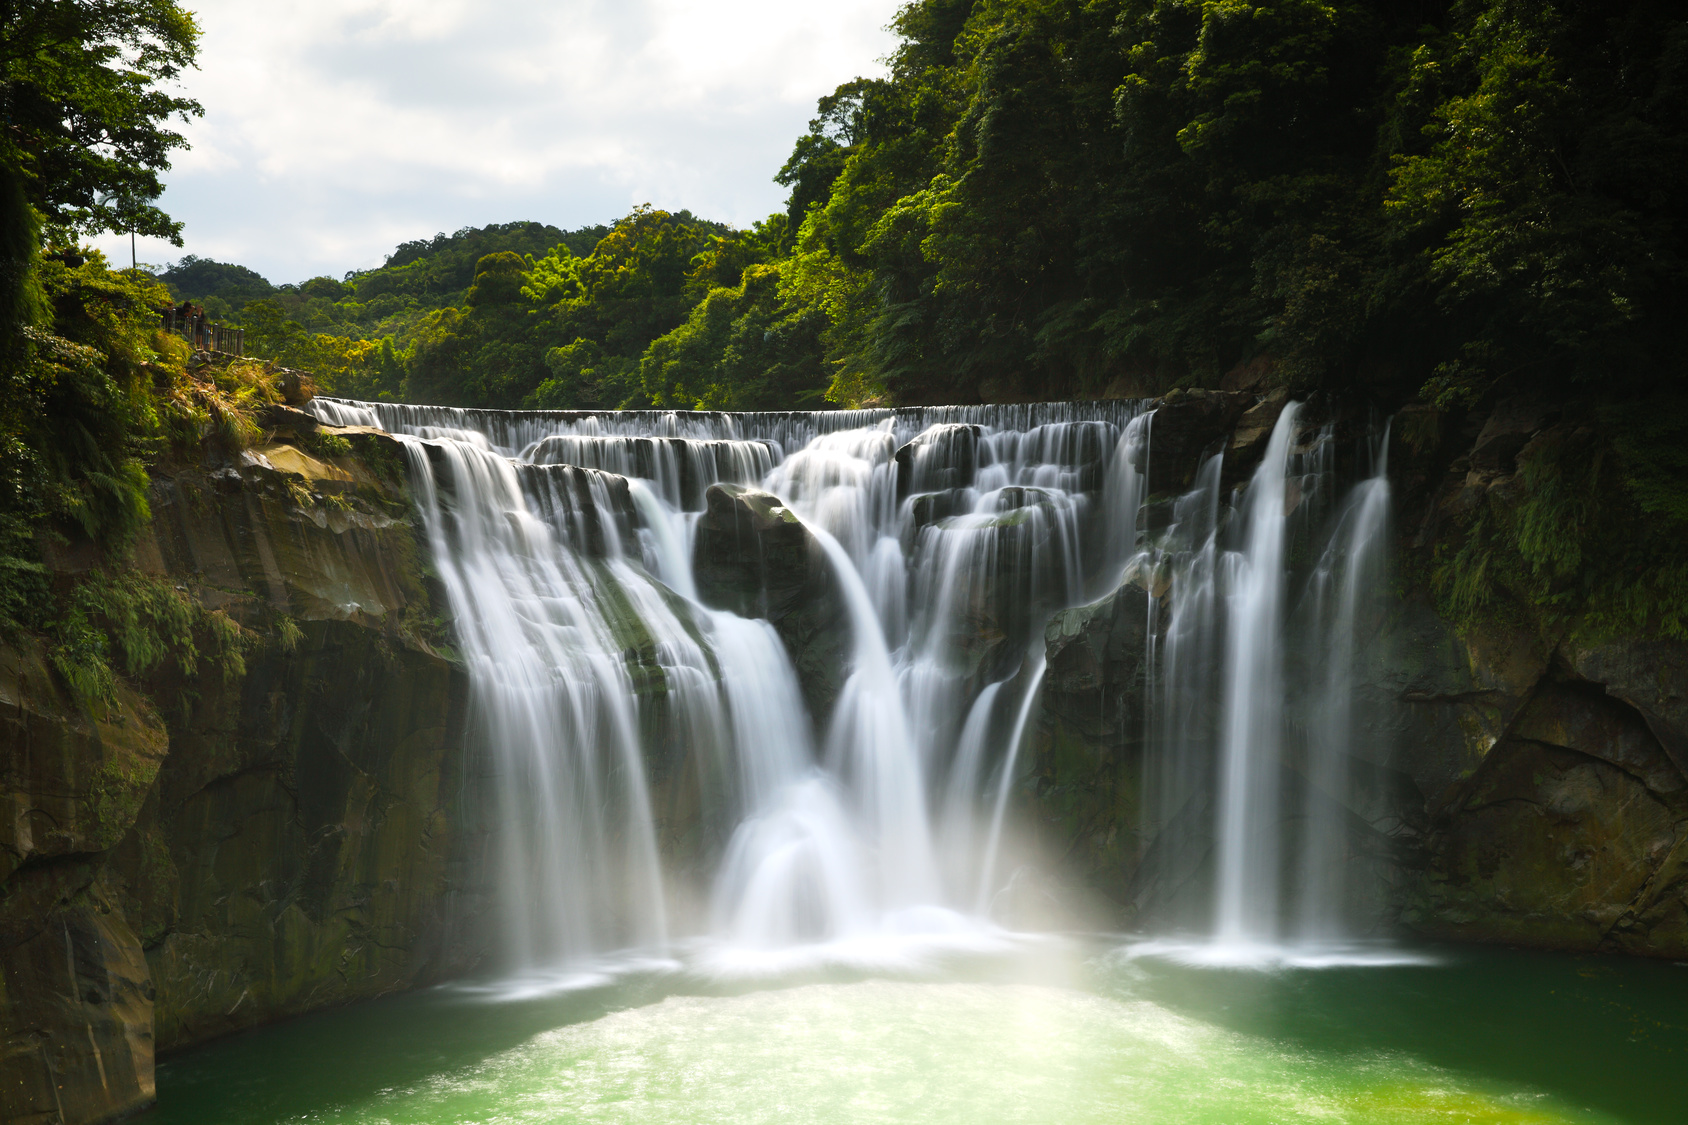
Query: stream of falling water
x=563, y=542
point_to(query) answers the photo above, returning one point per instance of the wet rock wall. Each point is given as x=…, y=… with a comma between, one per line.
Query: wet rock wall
x=214, y=849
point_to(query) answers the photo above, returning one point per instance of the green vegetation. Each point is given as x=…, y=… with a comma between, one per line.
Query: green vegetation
x=1569, y=542
x=1052, y=198
x=82, y=86
x=92, y=392
x=1451, y=201
x=135, y=624
x=521, y=314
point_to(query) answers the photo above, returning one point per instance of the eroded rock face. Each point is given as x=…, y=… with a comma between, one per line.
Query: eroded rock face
x=1145, y=839
x=1649, y=675
x=1254, y=429
x=1187, y=426
x=220, y=848
x=306, y=841
x=307, y=850
x=1088, y=764
x=939, y=459
x=1572, y=833
x=754, y=556
x=76, y=995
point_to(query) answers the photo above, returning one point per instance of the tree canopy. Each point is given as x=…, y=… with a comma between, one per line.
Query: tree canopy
x=85, y=90
x=1378, y=200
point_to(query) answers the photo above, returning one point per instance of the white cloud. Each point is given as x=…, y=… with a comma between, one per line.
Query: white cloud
x=335, y=129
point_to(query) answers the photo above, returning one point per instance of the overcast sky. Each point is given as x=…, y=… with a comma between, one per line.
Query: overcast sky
x=336, y=129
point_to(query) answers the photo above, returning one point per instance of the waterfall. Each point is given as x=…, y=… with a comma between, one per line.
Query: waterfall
x=606, y=688
x=559, y=711
x=1249, y=719
x=1253, y=707
x=1343, y=588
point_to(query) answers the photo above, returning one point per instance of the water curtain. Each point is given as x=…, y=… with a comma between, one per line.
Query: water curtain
x=565, y=544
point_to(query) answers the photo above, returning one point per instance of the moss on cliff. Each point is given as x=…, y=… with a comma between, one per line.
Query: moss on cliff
x=250, y=739
x=1584, y=525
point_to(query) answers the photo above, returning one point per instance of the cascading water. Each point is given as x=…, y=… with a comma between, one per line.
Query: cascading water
x=1341, y=594
x=1250, y=725
x=564, y=543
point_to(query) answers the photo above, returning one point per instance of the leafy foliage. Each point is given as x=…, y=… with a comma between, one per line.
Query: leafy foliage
x=82, y=90
x=201, y=279
x=743, y=348
x=470, y=318
x=137, y=624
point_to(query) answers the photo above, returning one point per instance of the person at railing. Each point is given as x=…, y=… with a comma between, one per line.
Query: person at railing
x=190, y=321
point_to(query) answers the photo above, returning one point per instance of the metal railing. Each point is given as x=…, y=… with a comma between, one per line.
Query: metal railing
x=190, y=322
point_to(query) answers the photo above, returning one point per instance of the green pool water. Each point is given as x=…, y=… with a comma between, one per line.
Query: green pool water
x=1052, y=1031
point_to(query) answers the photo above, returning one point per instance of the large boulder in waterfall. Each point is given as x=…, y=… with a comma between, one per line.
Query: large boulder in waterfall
x=1088, y=760
x=753, y=556
x=931, y=507
x=939, y=458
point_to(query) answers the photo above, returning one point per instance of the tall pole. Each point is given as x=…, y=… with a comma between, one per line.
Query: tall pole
x=132, y=266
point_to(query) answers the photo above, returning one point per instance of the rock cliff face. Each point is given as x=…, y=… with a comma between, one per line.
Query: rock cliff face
x=78, y=996
x=216, y=848
x=1088, y=770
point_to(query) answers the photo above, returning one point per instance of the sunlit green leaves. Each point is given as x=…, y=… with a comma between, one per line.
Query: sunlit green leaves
x=86, y=92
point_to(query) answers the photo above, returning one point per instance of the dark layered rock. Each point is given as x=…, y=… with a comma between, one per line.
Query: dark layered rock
x=1187, y=427
x=1512, y=779
x=940, y=458
x=1098, y=788
x=1088, y=756
x=752, y=555
x=1509, y=427
x=1650, y=675
x=596, y=507
x=932, y=507
x=220, y=846
x=1570, y=834
x=306, y=844
x=692, y=463
x=1254, y=427
x=76, y=994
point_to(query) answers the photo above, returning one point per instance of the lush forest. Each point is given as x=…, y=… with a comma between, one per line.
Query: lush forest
x=1384, y=201
x=1051, y=199
x=522, y=314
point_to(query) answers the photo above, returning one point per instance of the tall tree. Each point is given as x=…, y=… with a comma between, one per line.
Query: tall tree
x=85, y=94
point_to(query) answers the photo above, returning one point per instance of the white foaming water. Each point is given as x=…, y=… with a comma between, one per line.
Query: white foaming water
x=564, y=544
x=1253, y=707
x=1250, y=728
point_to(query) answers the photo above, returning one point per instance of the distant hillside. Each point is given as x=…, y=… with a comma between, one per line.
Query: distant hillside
x=527, y=314
x=230, y=286
x=418, y=277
